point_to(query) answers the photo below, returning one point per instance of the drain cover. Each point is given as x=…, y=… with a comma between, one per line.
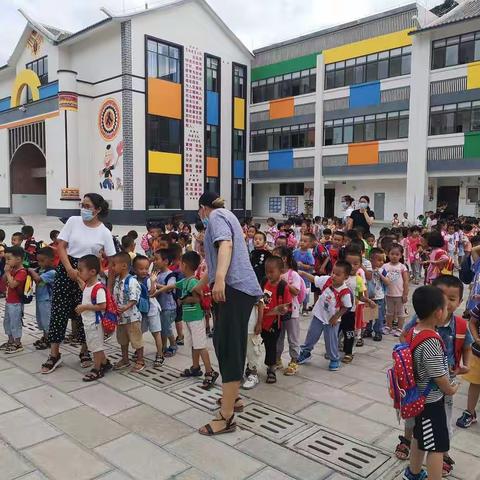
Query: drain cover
x=31, y=328
x=270, y=423
x=194, y=394
x=160, y=378
x=359, y=459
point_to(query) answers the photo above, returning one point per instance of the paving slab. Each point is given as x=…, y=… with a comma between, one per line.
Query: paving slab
x=159, y=400
x=465, y=464
x=141, y=459
x=271, y=474
x=381, y=413
x=15, y=380
x=370, y=390
x=7, y=403
x=46, y=400
x=64, y=378
x=36, y=475
x=466, y=441
x=87, y=426
x=215, y=458
x=192, y=474
x=120, y=382
x=4, y=364
x=116, y=475
x=12, y=465
x=31, y=362
x=78, y=464
x=334, y=379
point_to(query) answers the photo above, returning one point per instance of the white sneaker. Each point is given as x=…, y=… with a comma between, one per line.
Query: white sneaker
x=250, y=382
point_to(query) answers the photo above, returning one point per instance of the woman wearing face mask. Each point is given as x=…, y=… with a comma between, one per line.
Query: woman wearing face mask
x=347, y=206
x=362, y=216
x=81, y=235
x=235, y=291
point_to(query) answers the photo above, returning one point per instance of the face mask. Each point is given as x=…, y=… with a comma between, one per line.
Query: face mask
x=205, y=222
x=86, y=214
x=362, y=205
x=344, y=204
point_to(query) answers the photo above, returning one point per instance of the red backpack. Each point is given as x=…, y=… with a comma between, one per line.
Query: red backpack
x=408, y=400
x=109, y=318
x=338, y=294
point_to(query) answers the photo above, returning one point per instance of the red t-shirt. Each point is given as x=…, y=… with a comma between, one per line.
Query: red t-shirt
x=56, y=258
x=272, y=299
x=13, y=294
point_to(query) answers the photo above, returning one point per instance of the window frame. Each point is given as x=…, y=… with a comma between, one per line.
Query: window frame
x=443, y=44
x=439, y=114
x=273, y=136
x=178, y=60
x=43, y=77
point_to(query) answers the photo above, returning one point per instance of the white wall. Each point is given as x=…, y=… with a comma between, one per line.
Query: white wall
x=4, y=170
x=55, y=161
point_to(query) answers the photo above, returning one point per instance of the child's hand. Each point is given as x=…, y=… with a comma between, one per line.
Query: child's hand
x=333, y=320
x=79, y=309
x=7, y=268
x=153, y=277
x=404, y=299
x=371, y=303
x=461, y=370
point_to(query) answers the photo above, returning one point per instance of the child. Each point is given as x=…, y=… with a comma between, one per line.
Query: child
x=151, y=319
x=198, y=236
x=413, y=241
x=397, y=290
x=334, y=301
x=277, y=299
x=326, y=238
x=338, y=240
x=254, y=347
x=395, y=220
x=167, y=301
x=192, y=315
x=44, y=279
x=54, y=246
x=15, y=277
x=2, y=262
x=128, y=245
x=17, y=239
x=451, y=242
x=305, y=262
x=133, y=234
x=251, y=232
x=430, y=433
x=88, y=270
x=30, y=245
x=126, y=292
x=175, y=264
x=259, y=255
x=145, y=242
x=271, y=232
x=185, y=241
x=438, y=259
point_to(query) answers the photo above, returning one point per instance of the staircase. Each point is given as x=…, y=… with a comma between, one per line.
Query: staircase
x=10, y=220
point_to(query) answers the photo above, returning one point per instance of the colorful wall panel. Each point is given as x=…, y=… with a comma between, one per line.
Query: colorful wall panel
x=471, y=148
x=370, y=45
x=212, y=108
x=365, y=95
x=163, y=162
x=280, y=160
x=212, y=167
x=282, y=108
x=287, y=66
x=164, y=98
x=363, y=153
x=239, y=113
x=4, y=104
x=473, y=75
x=50, y=90
x=239, y=169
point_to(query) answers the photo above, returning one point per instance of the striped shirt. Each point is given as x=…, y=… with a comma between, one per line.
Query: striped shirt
x=429, y=362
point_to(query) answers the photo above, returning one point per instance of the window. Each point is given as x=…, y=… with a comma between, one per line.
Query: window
x=212, y=141
x=40, y=67
x=163, y=61
x=212, y=73
x=456, y=50
x=212, y=184
x=239, y=145
x=390, y=63
x=238, y=194
x=164, y=134
x=164, y=191
x=294, y=136
x=472, y=195
x=287, y=189
x=455, y=118
x=239, y=81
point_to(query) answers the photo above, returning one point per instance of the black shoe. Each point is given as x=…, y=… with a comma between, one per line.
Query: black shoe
x=180, y=341
x=377, y=337
x=367, y=334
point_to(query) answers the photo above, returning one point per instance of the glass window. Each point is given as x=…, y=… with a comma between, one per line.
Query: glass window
x=369, y=128
x=381, y=127
x=372, y=71
x=436, y=123
x=448, y=122
x=330, y=79
x=212, y=184
x=163, y=61
x=403, y=126
x=392, y=126
x=358, y=131
x=212, y=72
x=462, y=120
x=212, y=141
x=238, y=145
x=359, y=74
x=164, y=134
x=239, y=74
x=382, y=69
x=339, y=78
x=348, y=134
x=337, y=135
x=238, y=194
x=475, y=119
x=406, y=64
x=472, y=195
x=40, y=67
x=438, y=58
x=328, y=134
x=395, y=66
x=466, y=53
x=164, y=191
x=451, y=55
x=477, y=49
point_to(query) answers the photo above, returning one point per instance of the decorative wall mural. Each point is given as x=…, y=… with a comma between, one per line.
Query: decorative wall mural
x=275, y=204
x=109, y=119
x=194, y=152
x=110, y=162
x=68, y=101
x=34, y=42
x=291, y=205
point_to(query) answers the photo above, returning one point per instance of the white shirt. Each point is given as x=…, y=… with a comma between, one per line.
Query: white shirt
x=89, y=317
x=294, y=279
x=326, y=305
x=405, y=222
x=155, y=308
x=83, y=240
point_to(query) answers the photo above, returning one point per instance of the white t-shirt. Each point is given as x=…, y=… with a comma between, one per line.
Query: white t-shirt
x=155, y=308
x=89, y=317
x=294, y=279
x=326, y=305
x=83, y=240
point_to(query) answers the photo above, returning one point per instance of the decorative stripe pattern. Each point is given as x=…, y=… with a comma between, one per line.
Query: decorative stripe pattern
x=445, y=153
x=305, y=109
x=336, y=104
x=335, y=160
x=395, y=94
x=31, y=133
x=393, y=156
x=451, y=85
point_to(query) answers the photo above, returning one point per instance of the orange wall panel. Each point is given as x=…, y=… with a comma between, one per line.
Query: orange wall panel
x=282, y=108
x=363, y=153
x=164, y=98
x=212, y=167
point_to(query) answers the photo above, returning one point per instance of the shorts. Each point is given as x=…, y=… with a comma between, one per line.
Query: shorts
x=195, y=334
x=315, y=289
x=130, y=333
x=151, y=323
x=44, y=310
x=94, y=337
x=431, y=430
x=395, y=307
x=167, y=318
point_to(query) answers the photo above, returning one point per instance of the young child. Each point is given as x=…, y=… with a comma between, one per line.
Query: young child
x=198, y=236
x=395, y=220
x=305, y=262
x=334, y=301
x=128, y=245
x=145, y=242
x=335, y=249
x=88, y=270
x=175, y=267
x=126, y=292
x=150, y=320
x=133, y=234
x=251, y=232
x=438, y=259
x=167, y=300
x=192, y=315
x=259, y=255
x=430, y=433
x=413, y=241
x=17, y=239
x=30, y=245
x=271, y=233
x=15, y=277
x=2, y=263
x=54, y=246
x=254, y=347
x=451, y=242
x=326, y=238
x=44, y=279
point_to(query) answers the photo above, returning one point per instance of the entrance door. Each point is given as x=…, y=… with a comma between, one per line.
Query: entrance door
x=28, y=183
x=447, y=200
x=329, y=194
x=379, y=205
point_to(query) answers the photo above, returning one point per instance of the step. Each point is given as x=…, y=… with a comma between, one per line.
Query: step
x=11, y=220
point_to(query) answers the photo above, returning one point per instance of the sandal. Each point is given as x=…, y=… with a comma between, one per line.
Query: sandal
x=360, y=342
x=347, y=358
x=121, y=365
x=448, y=464
x=51, y=364
x=170, y=352
x=192, y=372
x=236, y=408
x=106, y=367
x=271, y=377
x=159, y=360
x=138, y=367
x=93, y=375
x=230, y=426
x=209, y=380
x=402, y=450
x=85, y=359
x=42, y=345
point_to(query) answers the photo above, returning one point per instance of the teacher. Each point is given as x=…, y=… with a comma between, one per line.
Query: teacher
x=362, y=216
x=235, y=291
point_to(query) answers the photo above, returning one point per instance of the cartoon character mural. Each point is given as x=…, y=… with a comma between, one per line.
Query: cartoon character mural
x=109, y=164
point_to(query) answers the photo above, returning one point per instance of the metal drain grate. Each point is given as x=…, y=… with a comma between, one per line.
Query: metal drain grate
x=31, y=328
x=160, y=378
x=192, y=393
x=353, y=457
x=270, y=423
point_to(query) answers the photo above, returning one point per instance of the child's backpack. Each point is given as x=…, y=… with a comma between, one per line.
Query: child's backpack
x=143, y=304
x=26, y=295
x=408, y=400
x=109, y=318
x=303, y=289
x=320, y=253
x=459, y=341
x=338, y=294
x=144, y=243
x=449, y=267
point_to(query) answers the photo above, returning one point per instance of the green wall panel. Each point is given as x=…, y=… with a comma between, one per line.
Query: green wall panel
x=288, y=66
x=471, y=148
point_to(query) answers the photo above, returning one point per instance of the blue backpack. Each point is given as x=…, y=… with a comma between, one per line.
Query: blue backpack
x=143, y=304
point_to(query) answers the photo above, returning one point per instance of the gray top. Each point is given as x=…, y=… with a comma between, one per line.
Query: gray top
x=224, y=225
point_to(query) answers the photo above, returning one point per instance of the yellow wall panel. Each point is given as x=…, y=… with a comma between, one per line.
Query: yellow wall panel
x=473, y=75
x=164, y=98
x=163, y=162
x=239, y=113
x=370, y=45
x=282, y=108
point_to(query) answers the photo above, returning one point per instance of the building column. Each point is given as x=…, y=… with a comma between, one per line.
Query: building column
x=417, y=178
x=318, y=183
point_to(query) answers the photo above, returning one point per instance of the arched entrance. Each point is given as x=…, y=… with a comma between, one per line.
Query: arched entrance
x=28, y=183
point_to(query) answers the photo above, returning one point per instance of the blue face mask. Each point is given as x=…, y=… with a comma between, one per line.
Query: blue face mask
x=363, y=205
x=87, y=215
x=205, y=222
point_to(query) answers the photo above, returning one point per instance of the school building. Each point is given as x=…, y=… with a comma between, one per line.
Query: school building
x=147, y=108
x=386, y=106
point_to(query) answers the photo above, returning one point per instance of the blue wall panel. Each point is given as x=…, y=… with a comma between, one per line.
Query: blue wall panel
x=280, y=159
x=212, y=108
x=49, y=90
x=4, y=104
x=365, y=95
x=239, y=169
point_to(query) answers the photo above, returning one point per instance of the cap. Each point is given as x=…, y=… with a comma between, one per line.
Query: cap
x=207, y=199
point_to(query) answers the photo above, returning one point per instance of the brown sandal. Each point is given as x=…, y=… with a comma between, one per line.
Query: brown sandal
x=138, y=367
x=402, y=450
x=236, y=408
x=230, y=426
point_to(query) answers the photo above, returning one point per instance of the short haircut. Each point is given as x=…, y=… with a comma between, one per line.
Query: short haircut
x=415, y=228
x=376, y=251
x=327, y=231
x=139, y=258
x=92, y=262
x=27, y=230
x=175, y=251
x=191, y=259
x=310, y=236
x=369, y=235
x=352, y=234
x=354, y=252
x=449, y=281
x=252, y=226
x=262, y=234
x=357, y=245
x=2, y=235
x=396, y=246
x=271, y=219
x=435, y=240
x=123, y=257
x=17, y=252
x=133, y=234
x=165, y=237
x=18, y=234
x=347, y=268
x=54, y=234
x=164, y=254
x=475, y=240
x=127, y=242
x=276, y=261
x=338, y=232
x=172, y=237
x=426, y=300
x=47, y=252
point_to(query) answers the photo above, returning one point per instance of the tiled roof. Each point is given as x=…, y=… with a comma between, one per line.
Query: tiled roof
x=56, y=32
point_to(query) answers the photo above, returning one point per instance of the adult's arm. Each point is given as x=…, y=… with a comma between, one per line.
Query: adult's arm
x=349, y=223
x=368, y=218
x=224, y=259
x=63, y=255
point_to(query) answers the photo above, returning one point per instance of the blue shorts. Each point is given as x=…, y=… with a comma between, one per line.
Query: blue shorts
x=12, y=322
x=168, y=319
x=151, y=323
x=44, y=310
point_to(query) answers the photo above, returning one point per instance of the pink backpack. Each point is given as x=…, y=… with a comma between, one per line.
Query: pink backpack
x=303, y=289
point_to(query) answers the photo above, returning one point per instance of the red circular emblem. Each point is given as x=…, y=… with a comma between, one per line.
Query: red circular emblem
x=109, y=119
